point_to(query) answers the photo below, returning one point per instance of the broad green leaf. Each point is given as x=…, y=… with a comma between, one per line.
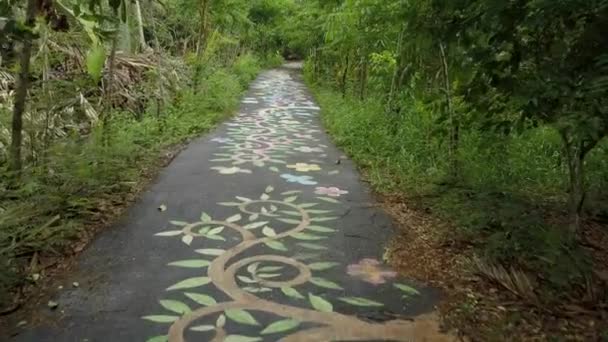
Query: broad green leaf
x=203, y=328
x=205, y=217
x=277, y=245
x=264, y=197
x=255, y=225
x=215, y=231
x=289, y=220
x=280, y=326
x=175, y=306
x=229, y=204
x=304, y=236
x=320, y=304
x=253, y=217
x=328, y=199
x=243, y=199
x=269, y=189
x=291, y=292
x=241, y=316
x=312, y=246
x=253, y=267
x=201, y=298
x=358, y=301
x=221, y=321
x=170, y=233
x=190, y=283
x=241, y=338
x=323, y=219
x=307, y=205
x=187, y=239
x=161, y=338
x=210, y=251
x=246, y=280
x=268, y=275
x=96, y=58
x=215, y=237
x=407, y=289
x=325, y=283
x=234, y=218
x=161, y=318
x=321, y=229
x=179, y=223
x=270, y=268
x=292, y=213
x=290, y=199
x=318, y=211
x=320, y=266
x=194, y=263
x=269, y=232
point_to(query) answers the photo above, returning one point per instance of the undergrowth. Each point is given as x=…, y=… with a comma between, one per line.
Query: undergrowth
x=83, y=179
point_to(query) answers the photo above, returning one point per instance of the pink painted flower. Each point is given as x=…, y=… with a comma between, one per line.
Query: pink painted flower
x=369, y=270
x=331, y=191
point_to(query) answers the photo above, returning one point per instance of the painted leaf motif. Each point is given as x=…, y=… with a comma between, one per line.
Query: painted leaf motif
x=161, y=318
x=358, y=301
x=201, y=298
x=241, y=316
x=329, y=199
x=291, y=192
x=234, y=218
x=268, y=275
x=280, y=326
x=216, y=231
x=161, y=338
x=407, y=289
x=205, y=217
x=325, y=283
x=190, y=283
x=187, y=239
x=203, y=328
x=291, y=292
x=320, y=266
x=322, y=219
x=269, y=189
x=312, y=246
x=273, y=169
x=175, y=306
x=264, y=197
x=221, y=321
x=179, y=223
x=194, y=263
x=277, y=245
x=229, y=204
x=320, y=304
x=253, y=217
x=270, y=268
x=304, y=236
x=215, y=237
x=210, y=251
x=243, y=199
x=255, y=225
x=241, y=338
x=321, y=229
x=289, y=220
x=307, y=205
x=269, y=232
x=290, y=199
x=170, y=233
x=246, y=280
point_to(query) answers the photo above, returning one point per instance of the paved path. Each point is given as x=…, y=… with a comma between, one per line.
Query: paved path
x=254, y=233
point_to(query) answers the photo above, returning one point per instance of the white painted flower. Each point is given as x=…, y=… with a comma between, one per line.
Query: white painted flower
x=230, y=170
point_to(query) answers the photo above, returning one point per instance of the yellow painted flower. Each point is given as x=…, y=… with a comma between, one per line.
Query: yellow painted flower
x=304, y=167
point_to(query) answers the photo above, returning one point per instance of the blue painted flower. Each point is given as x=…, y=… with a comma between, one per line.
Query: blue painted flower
x=305, y=180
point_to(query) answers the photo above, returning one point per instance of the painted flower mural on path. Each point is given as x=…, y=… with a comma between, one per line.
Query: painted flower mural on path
x=330, y=191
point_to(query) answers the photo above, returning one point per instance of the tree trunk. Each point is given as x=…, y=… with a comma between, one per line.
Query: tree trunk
x=140, y=27
x=454, y=127
x=21, y=88
x=344, y=75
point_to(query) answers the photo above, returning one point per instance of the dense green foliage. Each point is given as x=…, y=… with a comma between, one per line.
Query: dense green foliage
x=495, y=112
x=107, y=96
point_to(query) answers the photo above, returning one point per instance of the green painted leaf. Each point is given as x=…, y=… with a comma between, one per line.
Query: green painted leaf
x=269, y=232
x=321, y=266
x=407, y=289
x=323, y=219
x=170, y=233
x=270, y=268
x=277, y=245
x=280, y=326
x=175, y=306
x=318, y=211
x=241, y=316
x=290, y=199
x=234, y=218
x=286, y=220
x=320, y=304
x=229, y=204
x=292, y=213
x=247, y=280
x=304, y=236
x=190, y=283
x=215, y=237
x=255, y=225
x=312, y=246
x=194, y=263
x=253, y=267
x=325, y=283
x=179, y=223
x=253, y=217
x=205, y=217
x=210, y=251
x=96, y=58
x=203, y=328
x=241, y=338
x=161, y=318
x=221, y=321
x=201, y=298
x=268, y=275
x=358, y=301
x=307, y=205
x=328, y=199
x=243, y=199
x=161, y=338
x=216, y=230
x=291, y=292
x=264, y=197
x=273, y=169
x=321, y=229
x=187, y=239
x=269, y=189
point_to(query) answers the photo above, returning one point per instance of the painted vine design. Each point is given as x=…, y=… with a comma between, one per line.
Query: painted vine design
x=305, y=228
